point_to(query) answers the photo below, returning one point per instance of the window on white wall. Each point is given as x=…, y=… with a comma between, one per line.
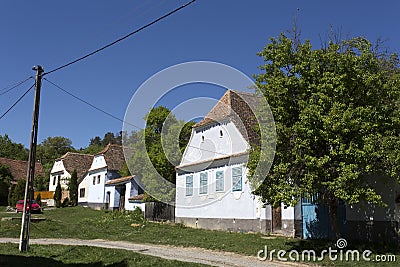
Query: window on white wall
x=219, y=181
x=189, y=185
x=203, y=183
x=94, y=180
x=237, y=179
x=54, y=180
x=98, y=179
x=82, y=192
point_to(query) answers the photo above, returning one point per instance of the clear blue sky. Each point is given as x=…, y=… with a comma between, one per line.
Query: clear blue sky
x=51, y=33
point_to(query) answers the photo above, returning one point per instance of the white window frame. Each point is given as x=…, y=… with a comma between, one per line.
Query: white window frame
x=237, y=179
x=219, y=181
x=203, y=188
x=189, y=185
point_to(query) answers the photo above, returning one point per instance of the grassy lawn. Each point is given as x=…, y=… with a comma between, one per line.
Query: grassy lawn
x=85, y=223
x=58, y=256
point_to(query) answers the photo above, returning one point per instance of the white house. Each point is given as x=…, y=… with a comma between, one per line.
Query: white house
x=124, y=193
x=63, y=167
x=212, y=190
x=105, y=166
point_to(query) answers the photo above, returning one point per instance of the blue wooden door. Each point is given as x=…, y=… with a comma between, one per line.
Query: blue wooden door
x=316, y=221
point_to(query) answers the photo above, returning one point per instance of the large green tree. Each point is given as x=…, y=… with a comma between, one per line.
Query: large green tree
x=336, y=111
x=11, y=150
x=157, y=149
x=50, y=149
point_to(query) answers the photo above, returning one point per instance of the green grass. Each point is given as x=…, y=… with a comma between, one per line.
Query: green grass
x=57, y=256
x=85, y=223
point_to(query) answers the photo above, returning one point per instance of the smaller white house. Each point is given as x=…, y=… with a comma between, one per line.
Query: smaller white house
x=63, y=167
x=124, y=193
x=103, y=186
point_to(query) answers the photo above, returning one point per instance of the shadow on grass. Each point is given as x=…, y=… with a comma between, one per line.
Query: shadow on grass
x=12, y=260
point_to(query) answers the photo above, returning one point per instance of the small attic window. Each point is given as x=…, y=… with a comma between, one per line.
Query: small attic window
x=202, y=138
x=221, y=133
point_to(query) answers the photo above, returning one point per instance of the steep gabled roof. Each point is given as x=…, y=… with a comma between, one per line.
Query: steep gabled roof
x=19, y=168
x=237, y=107
x=114, y=157
x=76, y=161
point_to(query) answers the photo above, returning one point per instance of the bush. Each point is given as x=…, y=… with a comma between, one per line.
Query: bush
x=65, y=202
x=138, y=215
x=39, y=199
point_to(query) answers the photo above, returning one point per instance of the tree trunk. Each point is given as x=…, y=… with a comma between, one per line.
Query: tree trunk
x=333, y=216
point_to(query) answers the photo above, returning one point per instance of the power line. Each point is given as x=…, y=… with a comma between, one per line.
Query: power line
x=16, y=102
x=116, y=118
x=89, y=104
x=120, y=39
x=7, y=89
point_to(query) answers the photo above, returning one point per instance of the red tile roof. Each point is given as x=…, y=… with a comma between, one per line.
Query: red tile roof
x=237, y=107
x=19, y=168
x=76, y=161
x=137, y=197
x=119, y=180
x=114, y=157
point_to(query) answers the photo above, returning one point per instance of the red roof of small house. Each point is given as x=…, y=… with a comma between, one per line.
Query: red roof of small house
x=136, y=198
x=121, y=180
x=19, y=168
x=77, y=161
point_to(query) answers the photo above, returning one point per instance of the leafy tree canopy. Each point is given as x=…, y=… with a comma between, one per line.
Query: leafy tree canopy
x=11, y=150
x=157, y=149
x=336, y=111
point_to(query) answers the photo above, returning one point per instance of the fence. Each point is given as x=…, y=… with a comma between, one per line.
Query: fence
x=158, y=211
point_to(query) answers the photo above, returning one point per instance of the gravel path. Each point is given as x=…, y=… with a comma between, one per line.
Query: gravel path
x=198, y=255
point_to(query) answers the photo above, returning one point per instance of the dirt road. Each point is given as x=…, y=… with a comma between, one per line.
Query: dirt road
x=198, y=255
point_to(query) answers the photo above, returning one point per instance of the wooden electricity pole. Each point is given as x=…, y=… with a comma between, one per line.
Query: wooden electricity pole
x=26, y=216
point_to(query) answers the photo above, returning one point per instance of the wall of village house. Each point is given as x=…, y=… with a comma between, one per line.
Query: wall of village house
x=225, y=204
x=214, y=141
x=84, y=184
x=58, y=172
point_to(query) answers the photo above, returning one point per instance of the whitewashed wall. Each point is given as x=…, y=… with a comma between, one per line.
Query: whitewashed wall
x=203, y=143
x=57, y=172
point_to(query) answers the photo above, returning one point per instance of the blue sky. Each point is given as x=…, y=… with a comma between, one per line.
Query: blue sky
x=51, y=33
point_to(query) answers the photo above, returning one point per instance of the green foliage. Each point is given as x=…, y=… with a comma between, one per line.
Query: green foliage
x=157, y=150
x=11, y=150
x=39, y=199
x=336, y=111
x=5, y=183
x=58, y=194
x=41, y=183
x=18, y=193
x=73, y=189
x=65, y=202
x=51, y=149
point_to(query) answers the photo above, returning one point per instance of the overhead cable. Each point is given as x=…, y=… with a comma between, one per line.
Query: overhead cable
x=16, y=102
x=120, y=39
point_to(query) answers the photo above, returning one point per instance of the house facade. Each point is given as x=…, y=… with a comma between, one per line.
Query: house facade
x=63, y=167
x=124, y=193
x=212, y=189
x=213, y=192
x=104, y=188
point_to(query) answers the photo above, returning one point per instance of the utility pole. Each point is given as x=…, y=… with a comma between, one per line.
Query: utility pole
x=26, y=215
